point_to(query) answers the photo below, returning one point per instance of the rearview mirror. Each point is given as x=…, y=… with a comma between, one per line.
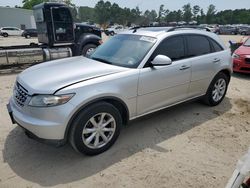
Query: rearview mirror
x=161, y=60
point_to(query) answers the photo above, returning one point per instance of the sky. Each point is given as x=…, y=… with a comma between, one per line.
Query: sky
x=155, y=4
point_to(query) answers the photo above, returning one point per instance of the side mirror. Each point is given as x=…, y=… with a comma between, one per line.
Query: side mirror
x=161, y=60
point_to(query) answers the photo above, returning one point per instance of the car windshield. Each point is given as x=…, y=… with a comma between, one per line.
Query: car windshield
x=124, y=50
x=247, y=43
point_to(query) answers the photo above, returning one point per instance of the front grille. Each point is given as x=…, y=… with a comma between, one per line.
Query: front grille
x=20, y=94
x=245, y=69
x=247, y=60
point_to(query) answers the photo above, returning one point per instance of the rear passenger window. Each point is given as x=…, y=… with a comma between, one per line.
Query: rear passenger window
x=197, y=45
x=172, y=47
x=216, y=46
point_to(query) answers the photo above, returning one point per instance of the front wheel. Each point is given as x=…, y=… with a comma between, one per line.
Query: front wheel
x=88, y=49
x=5, y=35
x=95, y=129
x=217, y=90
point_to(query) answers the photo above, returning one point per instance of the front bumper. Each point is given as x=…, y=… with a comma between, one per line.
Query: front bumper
x=239, y=65
x=42, y=123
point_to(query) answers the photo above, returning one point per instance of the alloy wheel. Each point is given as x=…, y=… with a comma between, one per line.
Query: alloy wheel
x=98, y=130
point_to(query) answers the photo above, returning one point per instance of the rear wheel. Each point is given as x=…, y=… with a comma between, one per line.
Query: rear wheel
x=88, y=49
x=95, y=129
x=27, y=36
x=217, y=90
x=112, y=33
x=5, y=35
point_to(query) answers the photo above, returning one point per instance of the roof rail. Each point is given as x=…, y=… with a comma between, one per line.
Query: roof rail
x=186, y=27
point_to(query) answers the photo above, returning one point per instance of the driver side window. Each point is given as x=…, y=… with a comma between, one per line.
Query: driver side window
x=172, y=47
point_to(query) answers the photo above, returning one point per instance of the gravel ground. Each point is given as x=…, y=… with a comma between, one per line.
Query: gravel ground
x=189, y=145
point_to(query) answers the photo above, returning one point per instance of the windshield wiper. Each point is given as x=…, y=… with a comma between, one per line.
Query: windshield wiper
x=102, y=60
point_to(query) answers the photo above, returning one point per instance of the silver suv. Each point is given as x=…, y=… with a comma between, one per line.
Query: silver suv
x=86, y=100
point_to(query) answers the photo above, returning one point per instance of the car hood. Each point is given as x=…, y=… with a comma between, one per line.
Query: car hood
x=243, y=50
x=47, y=78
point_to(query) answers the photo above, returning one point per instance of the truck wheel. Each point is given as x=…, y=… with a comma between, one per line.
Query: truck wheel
x=217, y=90
x=243, y=33
x=95, y=129
x=88, y=49
x=27, y=36
x=112, y=33
x=5, y=35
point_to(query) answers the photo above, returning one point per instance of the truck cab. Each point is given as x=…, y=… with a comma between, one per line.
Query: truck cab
x=58, y=37
x=55, y=27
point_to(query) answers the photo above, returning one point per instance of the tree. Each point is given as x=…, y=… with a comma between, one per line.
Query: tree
x=196, y=10
x=102, y=12
x=187, y=12
x=161, y=13
x=210, y=14
x=28, y=4
x=86, y=14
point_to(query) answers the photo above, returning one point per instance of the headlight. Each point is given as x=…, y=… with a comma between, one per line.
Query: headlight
x=235, y=56
x=49, y=100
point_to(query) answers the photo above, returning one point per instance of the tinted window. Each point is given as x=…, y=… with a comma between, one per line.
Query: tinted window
x=172, y=47
x=197, y=45
x=216, y=46
x=124, y=50
x=62, y=23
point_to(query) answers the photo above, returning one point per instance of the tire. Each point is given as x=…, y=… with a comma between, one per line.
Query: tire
x=243, y=33
x=27, y=36
x=219, y=79
x=86, y=50
x=83, y=122
x=5, y=34
x=112, y=33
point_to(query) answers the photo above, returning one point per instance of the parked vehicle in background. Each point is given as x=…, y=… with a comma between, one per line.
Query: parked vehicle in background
x=213, y=29
x=29, y=33
x=244, y=30
x=114, y=30
x=58, y=37
x=241, y=58
x=131, y=75
x=10, y=31
x=228, y=30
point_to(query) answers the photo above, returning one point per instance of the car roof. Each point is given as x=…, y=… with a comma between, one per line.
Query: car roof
x=163, y=32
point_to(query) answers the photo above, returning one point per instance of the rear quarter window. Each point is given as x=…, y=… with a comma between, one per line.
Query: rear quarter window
x=197, y=45
x=215, y=46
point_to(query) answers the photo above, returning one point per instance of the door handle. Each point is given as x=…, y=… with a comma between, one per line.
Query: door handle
x=184, y=67
x=216, y=60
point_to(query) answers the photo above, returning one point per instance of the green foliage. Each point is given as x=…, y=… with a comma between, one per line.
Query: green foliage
x=28, y=4
x=105, y=13
x=211, y=11
x=187, y=12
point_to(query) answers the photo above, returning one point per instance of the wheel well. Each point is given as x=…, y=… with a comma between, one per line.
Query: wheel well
x=119, y=104
x=121, y=107
x=227, y=73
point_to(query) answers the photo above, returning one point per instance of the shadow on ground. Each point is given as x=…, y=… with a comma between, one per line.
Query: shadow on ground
x=244, y=76
x=49, y=166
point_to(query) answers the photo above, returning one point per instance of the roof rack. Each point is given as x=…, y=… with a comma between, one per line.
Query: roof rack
x=186, y=27
x=172, y=28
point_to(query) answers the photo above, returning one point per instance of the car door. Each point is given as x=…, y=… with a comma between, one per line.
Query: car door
x=160, y=86
x=9, y=31
x=14, y=31
x=203, y=63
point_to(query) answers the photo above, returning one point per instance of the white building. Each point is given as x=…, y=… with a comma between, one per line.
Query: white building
x=17, y=17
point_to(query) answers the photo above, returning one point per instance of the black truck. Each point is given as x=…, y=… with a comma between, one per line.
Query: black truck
x=58, y=37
